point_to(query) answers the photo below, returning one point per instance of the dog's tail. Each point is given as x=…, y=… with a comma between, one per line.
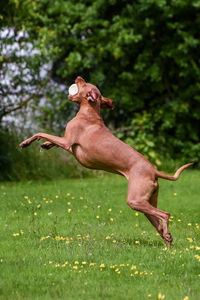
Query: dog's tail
x=176, y=175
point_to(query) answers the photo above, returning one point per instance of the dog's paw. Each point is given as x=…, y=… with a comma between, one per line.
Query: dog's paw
x=47, y=145
x=24, y=144
x=168, y=239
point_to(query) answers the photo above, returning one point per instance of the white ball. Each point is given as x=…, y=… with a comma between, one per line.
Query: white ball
x=73, y=89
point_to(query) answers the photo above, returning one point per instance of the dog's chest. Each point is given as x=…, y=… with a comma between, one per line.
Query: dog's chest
x=82, y=156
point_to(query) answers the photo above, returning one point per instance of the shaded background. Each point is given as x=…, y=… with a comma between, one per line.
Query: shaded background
x=142, y=54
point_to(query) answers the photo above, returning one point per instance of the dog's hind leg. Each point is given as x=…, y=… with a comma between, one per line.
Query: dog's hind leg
x=141, y=197
x=155, y=221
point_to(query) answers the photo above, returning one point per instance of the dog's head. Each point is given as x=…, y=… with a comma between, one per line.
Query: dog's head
x=83, y=91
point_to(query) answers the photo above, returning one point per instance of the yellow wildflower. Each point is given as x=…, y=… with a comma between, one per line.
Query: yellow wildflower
x=197, y=257
x=57, y=265
x=92, y=264
x=112, y=267
x=161, y=296
x=190, y=240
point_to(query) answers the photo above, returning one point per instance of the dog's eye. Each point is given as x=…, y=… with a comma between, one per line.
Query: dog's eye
x=73, y=89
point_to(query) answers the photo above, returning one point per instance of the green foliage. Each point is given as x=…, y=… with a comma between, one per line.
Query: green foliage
x=140, y=136
x=144, y=137
x=143, y=54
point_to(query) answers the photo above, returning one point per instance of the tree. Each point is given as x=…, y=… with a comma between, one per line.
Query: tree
x=26, y=83
x=143, y=54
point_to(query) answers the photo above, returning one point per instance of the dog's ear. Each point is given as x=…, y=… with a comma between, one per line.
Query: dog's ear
x=80, y=80
x=92, y=95
x=107, y=103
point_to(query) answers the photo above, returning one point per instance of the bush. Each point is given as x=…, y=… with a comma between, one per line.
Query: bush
x=161, y=150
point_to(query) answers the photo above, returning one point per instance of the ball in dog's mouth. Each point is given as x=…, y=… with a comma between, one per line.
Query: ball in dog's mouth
x=73, y=89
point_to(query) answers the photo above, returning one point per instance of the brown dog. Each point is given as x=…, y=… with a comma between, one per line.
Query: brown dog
x=95, y=147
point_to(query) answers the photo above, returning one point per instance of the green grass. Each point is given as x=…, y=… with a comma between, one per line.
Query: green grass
x=77, y=239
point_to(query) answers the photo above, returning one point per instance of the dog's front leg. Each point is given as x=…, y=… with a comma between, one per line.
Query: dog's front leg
x=59, y=141
x=47, y=145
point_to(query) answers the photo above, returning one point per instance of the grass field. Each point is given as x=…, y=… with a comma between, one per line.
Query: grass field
x=77, y=239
